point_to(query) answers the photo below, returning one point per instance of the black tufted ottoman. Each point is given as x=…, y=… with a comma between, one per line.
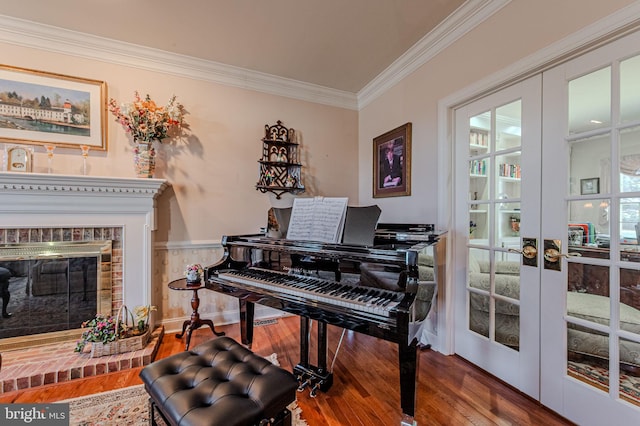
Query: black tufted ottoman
x=219, y=382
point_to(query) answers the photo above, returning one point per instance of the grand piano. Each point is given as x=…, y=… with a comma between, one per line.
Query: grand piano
x=257, y=269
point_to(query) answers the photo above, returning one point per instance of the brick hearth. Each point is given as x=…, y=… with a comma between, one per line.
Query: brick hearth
x=43, y=365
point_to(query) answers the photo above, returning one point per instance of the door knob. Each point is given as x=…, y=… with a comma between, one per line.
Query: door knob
x=553, y=255
x=529, y=252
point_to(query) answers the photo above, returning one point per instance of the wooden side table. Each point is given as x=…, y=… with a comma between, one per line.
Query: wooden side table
x=195, y=322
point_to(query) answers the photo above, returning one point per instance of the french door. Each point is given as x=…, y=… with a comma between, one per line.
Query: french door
x=548, y=186
x=590, y=329
x=497, y=309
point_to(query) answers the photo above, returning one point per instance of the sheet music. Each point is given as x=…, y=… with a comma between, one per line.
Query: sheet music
x=317, y=219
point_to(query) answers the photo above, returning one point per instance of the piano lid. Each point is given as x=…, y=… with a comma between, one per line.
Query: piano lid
x=404, y=256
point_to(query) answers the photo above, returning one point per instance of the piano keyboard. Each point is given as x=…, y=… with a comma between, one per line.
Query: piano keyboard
x=365, y=299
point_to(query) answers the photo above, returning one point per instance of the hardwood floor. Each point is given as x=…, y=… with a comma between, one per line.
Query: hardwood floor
x=451, y=391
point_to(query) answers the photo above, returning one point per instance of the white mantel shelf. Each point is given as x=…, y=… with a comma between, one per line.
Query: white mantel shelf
x=39, y=182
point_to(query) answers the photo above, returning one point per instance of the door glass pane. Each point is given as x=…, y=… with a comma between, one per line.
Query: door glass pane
x=508, y=324
x=479, y=279
x=588, y=295
x=630, y=160
x=508, y=125
x=478, y=141
x=590, y=101
x=508, y=225
x=629, y=372
x=630, y=300
x=630, y=229
x=478, y=226
x=479, y=318
x=588, y=228
x=588, y=356
x=479, y=179
x=590, y=165
x=630, y=89
x=507, y=275
x=587, y=300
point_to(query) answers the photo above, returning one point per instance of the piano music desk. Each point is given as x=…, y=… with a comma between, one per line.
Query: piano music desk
x=195, y=322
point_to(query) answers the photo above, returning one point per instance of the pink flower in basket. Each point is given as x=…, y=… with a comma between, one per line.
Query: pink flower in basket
x=106, y=329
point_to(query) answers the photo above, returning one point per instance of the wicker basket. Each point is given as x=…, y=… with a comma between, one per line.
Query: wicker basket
x=121, y=345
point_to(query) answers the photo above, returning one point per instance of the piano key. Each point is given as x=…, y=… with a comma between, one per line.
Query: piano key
x=379, y=302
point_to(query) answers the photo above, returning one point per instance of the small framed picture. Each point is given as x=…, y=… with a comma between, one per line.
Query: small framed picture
x=17, y=158
x=589, y=186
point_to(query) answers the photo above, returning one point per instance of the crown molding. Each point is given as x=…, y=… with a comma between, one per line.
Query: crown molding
x=464, y=19
x=59, y=40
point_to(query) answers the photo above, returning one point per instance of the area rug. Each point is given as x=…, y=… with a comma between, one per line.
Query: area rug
x=599, y=377
x=130, y=407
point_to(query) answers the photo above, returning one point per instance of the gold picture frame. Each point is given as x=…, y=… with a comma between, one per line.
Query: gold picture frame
x=39, y=108
x=392, y=163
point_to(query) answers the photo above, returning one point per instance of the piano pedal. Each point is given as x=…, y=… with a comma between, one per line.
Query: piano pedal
x=315, y=378
x=314, y=390
x=303, y=385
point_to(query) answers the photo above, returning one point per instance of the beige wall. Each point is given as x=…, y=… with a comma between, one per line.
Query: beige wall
x=213, y=171
x=518, y=30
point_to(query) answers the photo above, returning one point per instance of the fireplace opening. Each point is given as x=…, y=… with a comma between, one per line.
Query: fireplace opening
x=49, y=289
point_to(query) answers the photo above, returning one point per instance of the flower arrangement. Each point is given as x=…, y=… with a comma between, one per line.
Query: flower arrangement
x=193, y=272
x=145, y=120
x=100, y=329
x=104, y=329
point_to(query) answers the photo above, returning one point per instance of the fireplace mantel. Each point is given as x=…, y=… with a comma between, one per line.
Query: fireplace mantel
x=37, y=183
x=29, y=200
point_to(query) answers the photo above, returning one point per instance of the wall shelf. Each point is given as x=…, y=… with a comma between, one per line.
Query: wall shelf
x=280, y=169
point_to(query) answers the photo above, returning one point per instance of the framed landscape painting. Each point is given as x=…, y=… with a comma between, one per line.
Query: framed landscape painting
x=392, y=163
x=42, y=108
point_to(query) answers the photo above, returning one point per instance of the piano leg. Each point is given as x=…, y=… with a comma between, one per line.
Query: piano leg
x=246, y=322
x=304, y=341
x=322, y=347
x=408, y=380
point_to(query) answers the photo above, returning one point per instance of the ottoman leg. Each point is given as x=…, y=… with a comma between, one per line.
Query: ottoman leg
x=152, y=414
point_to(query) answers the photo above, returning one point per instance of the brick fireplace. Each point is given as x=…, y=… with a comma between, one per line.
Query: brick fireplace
x=38, y=208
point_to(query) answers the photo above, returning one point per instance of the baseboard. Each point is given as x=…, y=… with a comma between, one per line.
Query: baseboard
x=174, y=325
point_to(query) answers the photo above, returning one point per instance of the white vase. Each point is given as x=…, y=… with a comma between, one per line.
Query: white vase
x=145, y=159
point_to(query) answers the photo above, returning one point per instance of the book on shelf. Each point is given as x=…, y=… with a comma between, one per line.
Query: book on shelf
x=317, y=219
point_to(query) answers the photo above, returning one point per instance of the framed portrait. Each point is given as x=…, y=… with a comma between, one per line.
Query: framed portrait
x=39, y=108
x=392, y=163
x=589, y=186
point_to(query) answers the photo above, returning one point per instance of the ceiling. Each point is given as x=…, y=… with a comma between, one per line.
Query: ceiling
x=339, y=44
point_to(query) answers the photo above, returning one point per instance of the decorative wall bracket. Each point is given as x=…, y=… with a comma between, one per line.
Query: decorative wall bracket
x=280, y=168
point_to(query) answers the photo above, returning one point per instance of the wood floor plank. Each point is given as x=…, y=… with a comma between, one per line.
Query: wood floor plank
x=451, y=391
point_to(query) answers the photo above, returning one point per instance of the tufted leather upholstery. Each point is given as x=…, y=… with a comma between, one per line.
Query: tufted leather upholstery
x=219, y=382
